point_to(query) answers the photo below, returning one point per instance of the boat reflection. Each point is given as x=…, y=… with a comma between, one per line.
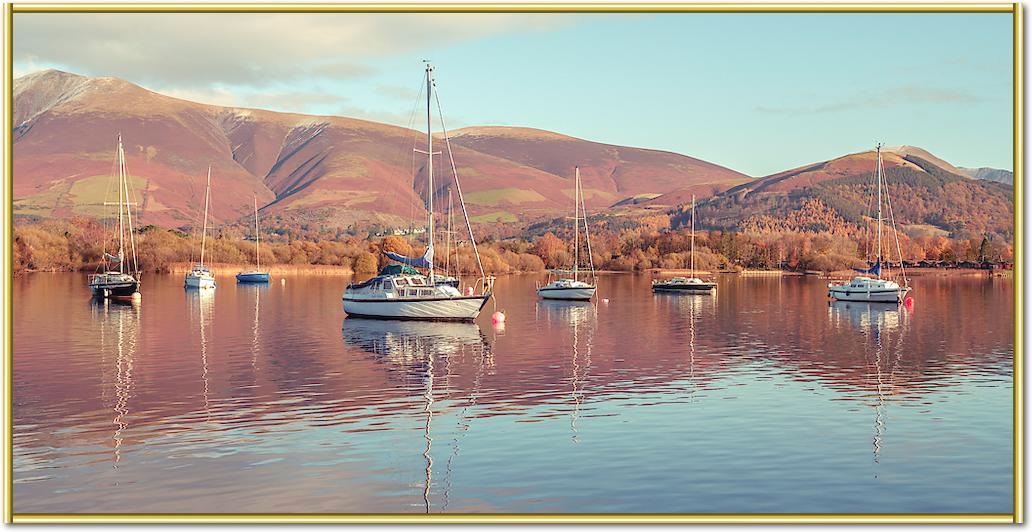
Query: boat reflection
x=255, y=290
x=867, y=317
x=883, y=328
x=202, y=309
x=408, y=345
x=414, y=347
x=119, y=326
x=581, y=317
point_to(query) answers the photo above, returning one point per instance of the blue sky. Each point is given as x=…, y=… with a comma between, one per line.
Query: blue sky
x=759, y=93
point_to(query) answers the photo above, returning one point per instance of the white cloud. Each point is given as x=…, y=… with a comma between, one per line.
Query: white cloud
x=906, y=95
x=203, y=50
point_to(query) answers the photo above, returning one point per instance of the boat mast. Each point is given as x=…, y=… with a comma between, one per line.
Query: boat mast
x=576, y=220
x=257, y=249
x=124, y=171
x=693, y=235
x=587, y=237
x=448, y=238
x=121, y=193
x=430, y=165
x=878, y=260
x=204, y=226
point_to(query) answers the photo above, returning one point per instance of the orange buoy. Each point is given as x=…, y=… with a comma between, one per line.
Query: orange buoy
x=498, y=317
x=469, y=290
x=909, y=303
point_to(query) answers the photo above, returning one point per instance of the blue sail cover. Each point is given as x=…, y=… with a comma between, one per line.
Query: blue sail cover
x=873, y=270
x=422, y=262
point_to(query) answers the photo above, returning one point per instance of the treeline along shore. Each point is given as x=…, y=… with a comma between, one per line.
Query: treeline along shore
x=649, y=243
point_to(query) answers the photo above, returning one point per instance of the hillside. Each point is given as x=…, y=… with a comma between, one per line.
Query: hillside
x=611, y=174
x=303, y=169
x=990, y=174
x=927, y=195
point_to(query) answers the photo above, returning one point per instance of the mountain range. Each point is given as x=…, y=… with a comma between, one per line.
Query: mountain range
x=324, y=169
x=337, y=171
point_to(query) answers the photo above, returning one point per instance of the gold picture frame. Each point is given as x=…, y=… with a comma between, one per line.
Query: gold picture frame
x=1015, y=8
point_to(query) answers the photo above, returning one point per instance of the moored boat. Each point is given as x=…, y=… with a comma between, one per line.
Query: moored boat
x=401, y=291
x=255, y=275
x=122, y=282
x=691, y=284
x=200, y=276
x=684, y=284
x=874, y=289
x=572, y=288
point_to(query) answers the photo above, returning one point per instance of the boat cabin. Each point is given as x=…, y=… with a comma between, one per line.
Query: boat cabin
x=396, y=281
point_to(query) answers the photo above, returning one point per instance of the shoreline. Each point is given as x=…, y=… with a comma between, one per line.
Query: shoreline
x=227, y=269
x=221, y=268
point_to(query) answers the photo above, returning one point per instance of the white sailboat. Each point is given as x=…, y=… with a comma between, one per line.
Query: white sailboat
x=400, y=291
x=200, y=276
x=572, y=288
x=874, y=289
x=686, y=284
x=123, y=282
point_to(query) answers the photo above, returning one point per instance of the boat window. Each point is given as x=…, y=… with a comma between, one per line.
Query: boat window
x=426, y=292
x=387, y=285
x=416, y=281
x=401, y=282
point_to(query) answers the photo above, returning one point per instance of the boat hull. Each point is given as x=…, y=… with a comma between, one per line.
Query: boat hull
x=885, y=295
x=252, y=277
x=705, y=288
x=568, y=294
x=124, y=290
x=462, y=308
x=201, y=283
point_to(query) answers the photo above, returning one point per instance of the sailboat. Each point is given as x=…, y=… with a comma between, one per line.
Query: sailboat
x=402, y=292
x=123, y=282
x=200, y=276
x=572, y=288
x=874, y=289
x=686, y=284
x=256, y=275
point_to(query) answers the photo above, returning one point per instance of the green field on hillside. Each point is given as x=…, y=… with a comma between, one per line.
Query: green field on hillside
x=83, y=196
x=497, y=216
x=499, y=196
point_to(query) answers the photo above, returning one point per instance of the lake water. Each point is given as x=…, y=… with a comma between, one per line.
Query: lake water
x=762, y=398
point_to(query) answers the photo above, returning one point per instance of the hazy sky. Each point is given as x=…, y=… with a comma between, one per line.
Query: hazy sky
x=759, y=93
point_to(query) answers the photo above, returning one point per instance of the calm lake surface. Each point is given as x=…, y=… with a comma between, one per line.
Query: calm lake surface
x=763, y=398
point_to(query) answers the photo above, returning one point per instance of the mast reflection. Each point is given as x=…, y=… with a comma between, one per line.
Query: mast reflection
x=119, y=325
x=580, y=316
x=413, y=348
x=882, y=327
x=202, y=309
